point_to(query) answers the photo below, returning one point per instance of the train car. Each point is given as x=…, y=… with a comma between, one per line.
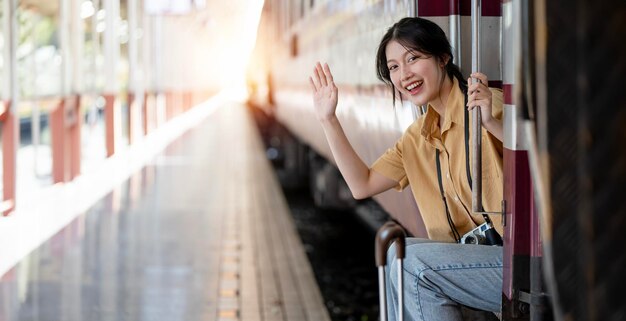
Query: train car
x=556, y=252
x=346, y=35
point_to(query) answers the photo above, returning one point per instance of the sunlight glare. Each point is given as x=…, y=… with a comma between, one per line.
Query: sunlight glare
x=239, y=42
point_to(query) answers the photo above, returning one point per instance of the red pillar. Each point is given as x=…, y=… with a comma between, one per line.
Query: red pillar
x=169, y=102
x=65, y=126
x=109, y=121
x=188, y=100
x=58, y=142
x=10, y=139
x=75, y=134
x=132, y=129
x=144, y=112
x=180, y=102
x=150, y=112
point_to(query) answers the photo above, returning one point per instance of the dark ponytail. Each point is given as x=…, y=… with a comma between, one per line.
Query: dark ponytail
x=421, y=35
x=454, y=71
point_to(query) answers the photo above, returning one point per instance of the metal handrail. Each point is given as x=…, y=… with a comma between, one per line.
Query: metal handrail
x=476, y=117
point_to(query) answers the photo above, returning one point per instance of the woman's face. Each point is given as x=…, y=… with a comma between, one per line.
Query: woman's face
x=415, y=75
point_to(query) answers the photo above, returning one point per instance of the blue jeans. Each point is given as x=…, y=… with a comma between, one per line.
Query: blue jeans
x=441, y=277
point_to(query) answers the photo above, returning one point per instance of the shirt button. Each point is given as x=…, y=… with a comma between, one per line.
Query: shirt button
x=448, y=174
x=456, y=198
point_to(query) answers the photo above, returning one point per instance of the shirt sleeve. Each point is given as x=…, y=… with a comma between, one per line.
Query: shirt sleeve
x=497, y=101
x=391, y=165
x=497, y=110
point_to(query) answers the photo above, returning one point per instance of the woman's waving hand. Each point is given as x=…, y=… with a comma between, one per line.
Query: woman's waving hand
x=324, y=92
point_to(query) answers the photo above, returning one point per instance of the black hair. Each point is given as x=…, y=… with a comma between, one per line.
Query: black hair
x=421, y=35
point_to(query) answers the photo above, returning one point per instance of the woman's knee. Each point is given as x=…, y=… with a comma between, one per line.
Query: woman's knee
x=416, y=259
x=409, y=242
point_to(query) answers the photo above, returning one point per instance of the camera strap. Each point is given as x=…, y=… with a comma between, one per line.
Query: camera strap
x=455, y=233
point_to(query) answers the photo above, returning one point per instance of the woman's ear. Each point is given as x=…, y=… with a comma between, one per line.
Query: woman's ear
x=444, y=60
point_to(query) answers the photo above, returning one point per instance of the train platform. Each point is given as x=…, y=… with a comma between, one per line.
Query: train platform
x=192, y=226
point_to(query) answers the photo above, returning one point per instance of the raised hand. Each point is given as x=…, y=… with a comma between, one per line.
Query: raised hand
x=324, y=92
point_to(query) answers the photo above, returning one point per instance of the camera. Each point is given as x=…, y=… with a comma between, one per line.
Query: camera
x=477, y=235
x=483, y=234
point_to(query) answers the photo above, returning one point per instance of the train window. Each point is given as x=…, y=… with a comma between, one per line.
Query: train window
x=294, y=45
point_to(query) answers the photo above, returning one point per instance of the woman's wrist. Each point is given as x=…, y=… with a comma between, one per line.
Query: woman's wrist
x=329, y=120
x=489, y=123
x=494, y=127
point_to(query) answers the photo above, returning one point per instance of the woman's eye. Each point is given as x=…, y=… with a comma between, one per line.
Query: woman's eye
x=393, y=67
x=412, y=58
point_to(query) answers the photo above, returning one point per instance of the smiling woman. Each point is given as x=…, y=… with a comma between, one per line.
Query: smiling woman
x=415, y=60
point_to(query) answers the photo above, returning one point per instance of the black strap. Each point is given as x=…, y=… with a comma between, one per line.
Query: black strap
x=467, y=133
x=467, y=158
x=456, y=234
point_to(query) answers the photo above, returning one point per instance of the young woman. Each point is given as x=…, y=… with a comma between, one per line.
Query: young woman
x=414, y=58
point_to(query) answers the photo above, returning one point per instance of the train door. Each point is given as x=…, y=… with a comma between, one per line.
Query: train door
x=522, y=292
x=499, y=35
x=571, y=116
x=577, y=104
x=500, y=56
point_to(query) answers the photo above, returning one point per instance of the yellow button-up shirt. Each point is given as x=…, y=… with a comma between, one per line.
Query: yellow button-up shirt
x=412, y=162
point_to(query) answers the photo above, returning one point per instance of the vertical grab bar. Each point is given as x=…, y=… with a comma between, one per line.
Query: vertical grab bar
x=476, y=117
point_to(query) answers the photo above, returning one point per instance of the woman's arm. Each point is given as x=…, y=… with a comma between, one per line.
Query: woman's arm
x=494, y=126
x=480, y=95
x=362, y=181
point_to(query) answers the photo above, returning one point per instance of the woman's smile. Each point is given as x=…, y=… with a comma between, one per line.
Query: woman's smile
x=414, y=87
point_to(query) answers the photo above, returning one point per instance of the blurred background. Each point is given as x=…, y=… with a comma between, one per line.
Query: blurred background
x=129, y=50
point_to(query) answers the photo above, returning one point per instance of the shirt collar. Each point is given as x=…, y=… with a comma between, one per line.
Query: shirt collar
x=454, y=113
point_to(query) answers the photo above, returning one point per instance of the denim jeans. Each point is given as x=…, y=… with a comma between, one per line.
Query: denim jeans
x=441, y=277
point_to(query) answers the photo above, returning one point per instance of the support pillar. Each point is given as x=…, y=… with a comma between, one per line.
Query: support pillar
x=74, y=132
x=132, y=118
x=110, y=112
x=8, y=115
x=111, y=46
x=65, y=136
x=146, y=114
x=10, y=139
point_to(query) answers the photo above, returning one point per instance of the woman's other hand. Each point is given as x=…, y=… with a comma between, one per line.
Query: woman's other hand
x=480, y=95
x=324, y=92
